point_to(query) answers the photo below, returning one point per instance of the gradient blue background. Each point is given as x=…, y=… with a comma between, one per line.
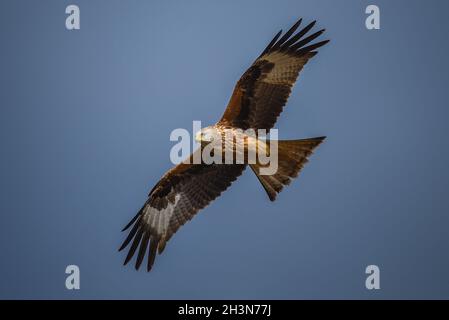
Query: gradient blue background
x=84, y=131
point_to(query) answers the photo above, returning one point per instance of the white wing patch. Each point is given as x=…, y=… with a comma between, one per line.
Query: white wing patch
x=158, y=220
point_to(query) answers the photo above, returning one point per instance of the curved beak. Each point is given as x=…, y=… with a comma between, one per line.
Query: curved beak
x=198, y=136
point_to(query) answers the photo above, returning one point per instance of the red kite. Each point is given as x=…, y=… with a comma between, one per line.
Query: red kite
x=258, y=99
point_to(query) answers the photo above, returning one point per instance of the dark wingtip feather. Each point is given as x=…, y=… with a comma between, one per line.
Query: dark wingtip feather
x=294, y=43
x=134, y=219
x=123, y=246
x=130, y=236
x=131, y=222
x=133, y=248
x=287, y=35
x=308, y=27
x=142, y=250
x=319, y=140
x=152, y=252
x=298, y=36
x=306, y=40
x=312, y=47
x=272, y=42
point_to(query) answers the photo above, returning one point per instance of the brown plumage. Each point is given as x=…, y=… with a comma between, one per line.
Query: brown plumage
x=257, y=100
x=263, y=90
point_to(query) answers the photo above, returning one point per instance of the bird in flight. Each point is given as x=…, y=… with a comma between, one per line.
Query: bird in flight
x=256, y=102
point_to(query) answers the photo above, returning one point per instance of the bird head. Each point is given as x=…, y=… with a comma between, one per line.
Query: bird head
x=206, y=135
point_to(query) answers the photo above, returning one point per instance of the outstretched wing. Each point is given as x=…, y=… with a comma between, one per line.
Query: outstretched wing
x=176, y=198
x=263, y=90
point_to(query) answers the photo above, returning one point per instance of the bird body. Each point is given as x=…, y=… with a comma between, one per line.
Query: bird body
x=229, y=146
x=233, y=144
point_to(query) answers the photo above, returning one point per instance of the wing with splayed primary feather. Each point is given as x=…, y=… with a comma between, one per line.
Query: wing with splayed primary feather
x=176, y=198
x=263, y=90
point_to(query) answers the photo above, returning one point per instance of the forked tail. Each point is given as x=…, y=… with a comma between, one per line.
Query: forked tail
x=292, y=155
